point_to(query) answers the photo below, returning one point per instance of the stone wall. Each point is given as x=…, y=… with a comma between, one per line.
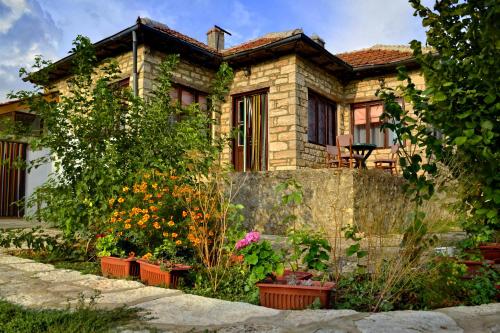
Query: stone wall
x=310, y=77
x=363, y=90
x=186, y=73
x=333, y=198
x=328, y=199
x=278, y=76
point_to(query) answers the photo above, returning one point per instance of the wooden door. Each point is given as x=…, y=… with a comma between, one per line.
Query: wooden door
x=250, y=147
x=12, y=178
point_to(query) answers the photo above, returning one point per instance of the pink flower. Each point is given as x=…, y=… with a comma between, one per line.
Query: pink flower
x=251, y=237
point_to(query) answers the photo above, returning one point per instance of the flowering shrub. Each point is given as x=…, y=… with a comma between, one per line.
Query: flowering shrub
x=251, y=237
x=147, y=213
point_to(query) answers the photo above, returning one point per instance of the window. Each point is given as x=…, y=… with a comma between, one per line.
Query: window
x=185, y=96
x=366, y=125
x=321, y=120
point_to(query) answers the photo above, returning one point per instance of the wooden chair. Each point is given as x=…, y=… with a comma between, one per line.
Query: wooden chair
x=346, y=159
x=391, y=163
x=332, y=161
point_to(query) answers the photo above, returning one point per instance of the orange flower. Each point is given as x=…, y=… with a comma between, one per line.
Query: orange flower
x=147, y=256
x=115, y=213
x=192, y=228
x=128, y=226
x=113, y=220
x=171, y=223
x=156, y=225
x=165, y=234
x=210, y=233
x=125, y=189
x=153, y=208
x=174, y=235
x=128, y=220
x=184, y=213
x=141, y=222
x=178, y=242
x=120, y=200
x=111, y=201
x=154, y=185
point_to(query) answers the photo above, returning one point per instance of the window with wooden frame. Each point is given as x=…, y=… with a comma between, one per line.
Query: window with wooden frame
x=186, y=96
x=366, y=124
x=321, y=120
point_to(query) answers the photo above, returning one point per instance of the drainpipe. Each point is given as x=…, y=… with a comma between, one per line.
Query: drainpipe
x=134, y=69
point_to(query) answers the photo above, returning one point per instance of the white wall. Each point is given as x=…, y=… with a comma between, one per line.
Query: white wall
x=38, y=176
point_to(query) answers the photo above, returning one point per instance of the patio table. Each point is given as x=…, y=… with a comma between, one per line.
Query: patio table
x=364, y=150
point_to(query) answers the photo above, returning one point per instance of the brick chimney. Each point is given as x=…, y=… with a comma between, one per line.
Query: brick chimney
x=318, y=40
x=215, y=38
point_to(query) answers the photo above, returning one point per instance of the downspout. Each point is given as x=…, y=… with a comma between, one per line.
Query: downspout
x=134, y=61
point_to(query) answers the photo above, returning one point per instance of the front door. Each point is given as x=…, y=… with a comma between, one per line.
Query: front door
x=250, y=120
x=12, y=178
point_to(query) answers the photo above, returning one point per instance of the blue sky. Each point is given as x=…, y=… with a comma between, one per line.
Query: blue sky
x=47, y=27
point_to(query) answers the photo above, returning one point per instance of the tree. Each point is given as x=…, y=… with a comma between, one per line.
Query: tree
x=100, y=136
x=460, y=102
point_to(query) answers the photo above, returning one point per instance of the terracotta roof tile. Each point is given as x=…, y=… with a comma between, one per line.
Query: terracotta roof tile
x=250, y=45
x=163, y=28
x=375, y=56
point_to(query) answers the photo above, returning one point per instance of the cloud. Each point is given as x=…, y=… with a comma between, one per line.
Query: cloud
x=10, y=12
x=32, y=33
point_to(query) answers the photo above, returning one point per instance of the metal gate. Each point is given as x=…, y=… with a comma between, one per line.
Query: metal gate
x=12, y=178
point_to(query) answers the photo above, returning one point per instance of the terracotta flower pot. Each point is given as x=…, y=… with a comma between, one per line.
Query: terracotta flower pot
x=119, y=267
x=491, y=251
x=474, y=266
x=286, y=297
x=151, y=274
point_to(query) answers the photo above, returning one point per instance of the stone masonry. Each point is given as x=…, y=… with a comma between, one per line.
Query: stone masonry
x=287, y=80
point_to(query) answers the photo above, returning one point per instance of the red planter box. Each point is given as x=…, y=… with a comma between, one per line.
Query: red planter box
x=491, y=251
x=286, y=297
x=119, y=267
x=474, y=267
x=152, y=275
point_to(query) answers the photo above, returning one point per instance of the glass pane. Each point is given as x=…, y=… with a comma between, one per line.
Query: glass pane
x=321, y=122
x=376, y=135
x=187, y=97
x=332, y=121
x=375, y=113
x=241, y=116
x=174, y=95
x=311, y=121
x=360, y=134
x=202, y=100
x=360, y=116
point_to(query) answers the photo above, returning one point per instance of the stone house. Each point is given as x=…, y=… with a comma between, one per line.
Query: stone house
x=290, y=96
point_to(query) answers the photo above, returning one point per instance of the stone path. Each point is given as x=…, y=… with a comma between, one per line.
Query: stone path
x=33, y=284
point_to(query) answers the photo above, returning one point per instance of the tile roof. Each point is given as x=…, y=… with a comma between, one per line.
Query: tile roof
x=261, y=41
x=165, y=29
x=376, y=55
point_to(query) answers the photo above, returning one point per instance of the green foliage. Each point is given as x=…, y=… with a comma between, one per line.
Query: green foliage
x=108, y=246
x=460, y=101
x=310, y=248
x=100, y=136
x=263, y=261
x=351, y=232
x=83, y=319
x=232, y=287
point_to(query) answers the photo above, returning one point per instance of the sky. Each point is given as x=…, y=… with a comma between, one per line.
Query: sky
x=47, y=27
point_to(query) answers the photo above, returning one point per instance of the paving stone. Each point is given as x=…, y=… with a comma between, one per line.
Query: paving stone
x=33, y=298
x=196, y=311
x=306, y=317
x=64, y=275
x=135, y=296
x=408, y=322
x=8, y=259
x=33, y=267
x=481, y=318
x=109, y=285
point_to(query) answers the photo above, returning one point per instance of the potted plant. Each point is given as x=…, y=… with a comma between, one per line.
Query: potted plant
x=163, y=267
x=289, y=292
x=491, y=250
x=114, y=262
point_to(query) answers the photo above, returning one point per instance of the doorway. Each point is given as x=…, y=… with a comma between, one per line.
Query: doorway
x=250, y=120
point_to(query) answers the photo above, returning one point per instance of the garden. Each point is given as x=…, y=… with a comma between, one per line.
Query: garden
x=141, y=191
